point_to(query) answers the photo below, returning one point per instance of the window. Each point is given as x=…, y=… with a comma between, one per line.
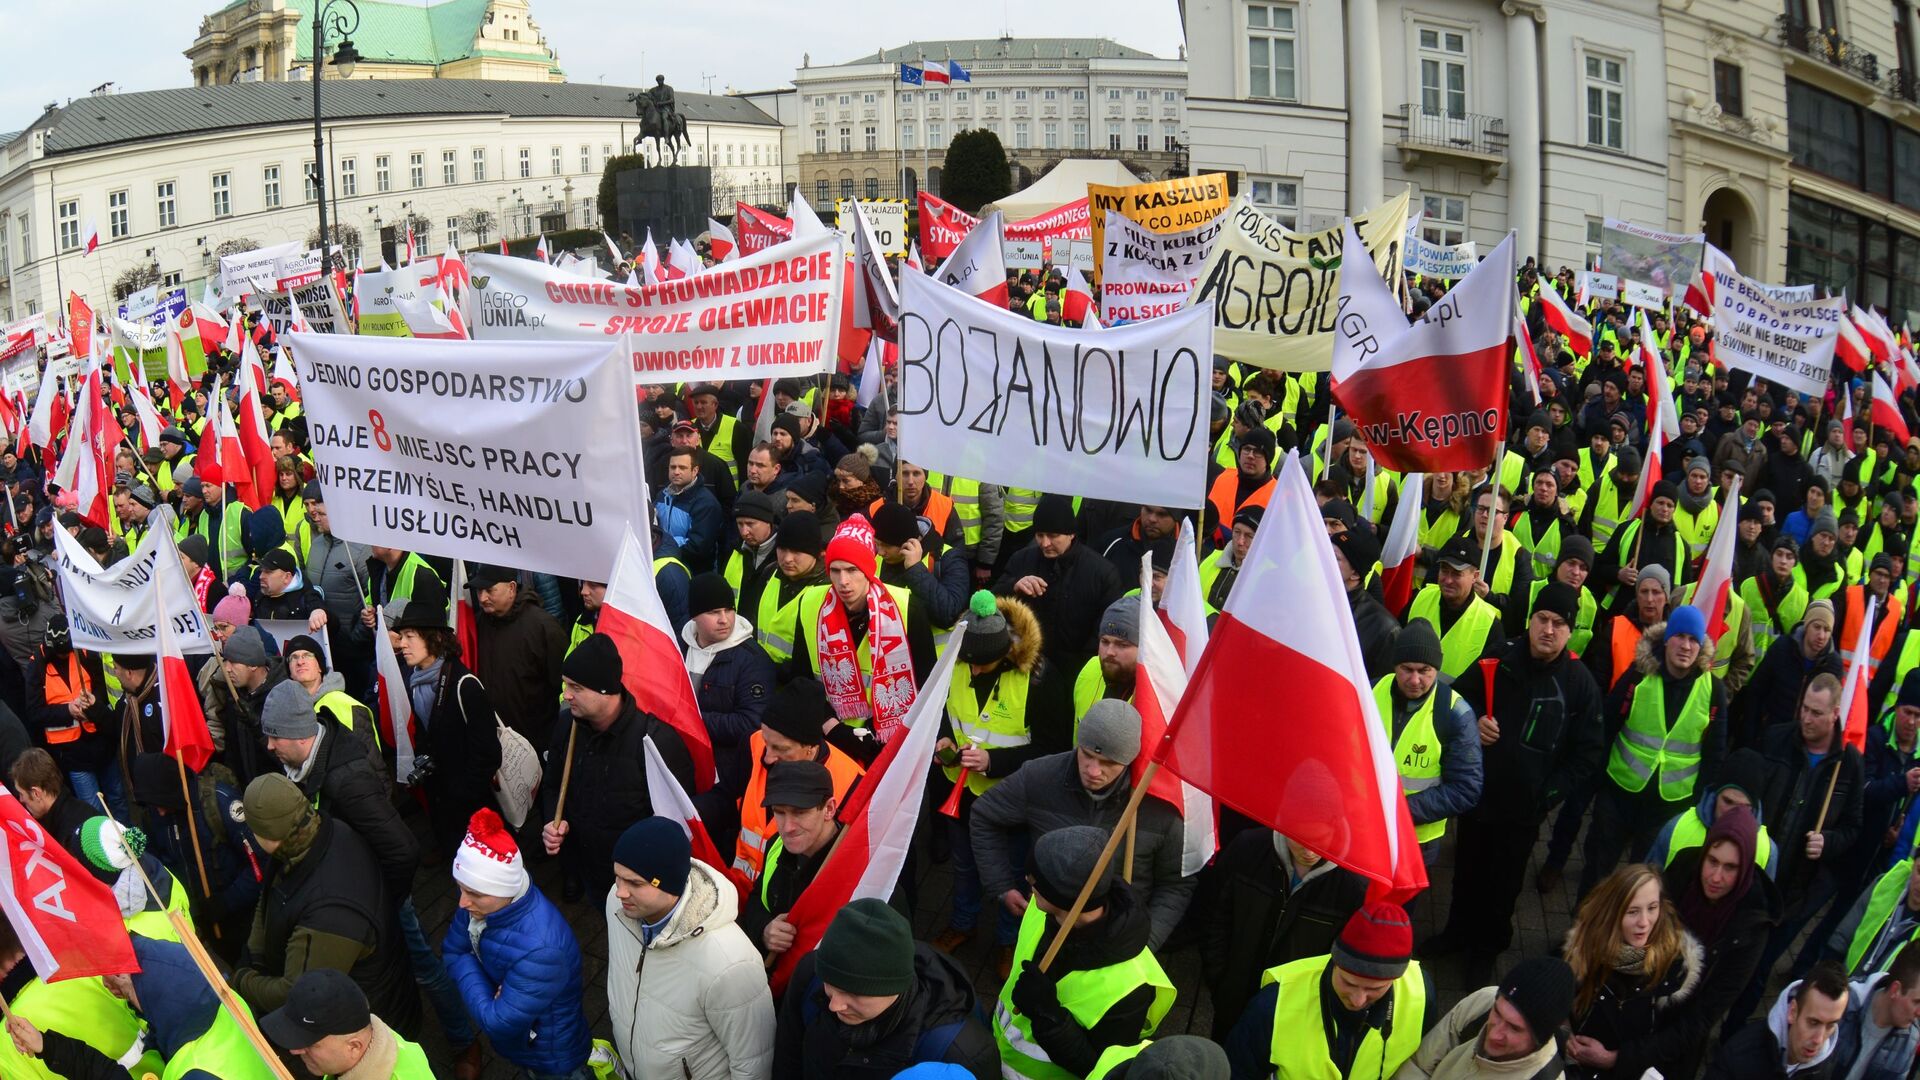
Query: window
x=993, y=95
x=1856, y=146
x=933, y=96
x=962, y=95
x=820, y=102
x=417, y=169
x=1445, y=222
x=1606, y=102
x=1594, y=227
x=1728, y=90
x=1271, y=40
x=170, y=279
x=69, y=224
x=1278, y=199
x=936, y=136
x=118, y=227
x=873, y=141
x=26, y=240
x=383, y=173
x=846, y=187
x=1113, y=138
x=1079, y=95
x=846, y=140
x=1019, y=95
x=222, y=196
x=163, y=204
x=349, y=177
x=1048, y=95
x=1142, y=136
x=1831, y=246
x=820, y=194
x=1021, y=136
x=526, y=163
x=1139, y=95
x=309, y=182
x=873, y=187
x=1170, y=137
x=270, y=186
x=606, y=155
x=1443, y=71
x=586, y=159
x=820, y=139
x=1113, y=95
x=906, y=137
x=1170, y=96
x=906, y=97
x=449, y=169
x=846, y=99
x=1079, y=134
x=453, y=234
x=559, y=162
x=1050, y=135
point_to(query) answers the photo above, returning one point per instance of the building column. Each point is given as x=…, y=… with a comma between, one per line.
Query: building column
x=1366, y=128
x=1523, y=126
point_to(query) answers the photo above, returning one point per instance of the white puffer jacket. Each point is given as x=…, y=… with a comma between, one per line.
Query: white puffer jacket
x=694, y=1005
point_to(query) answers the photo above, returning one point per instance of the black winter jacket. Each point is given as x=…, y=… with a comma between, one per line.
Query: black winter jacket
x=1551, y=736
x=938, y=1020
x=608, y=791
x=343, y=784
x=1732, y=957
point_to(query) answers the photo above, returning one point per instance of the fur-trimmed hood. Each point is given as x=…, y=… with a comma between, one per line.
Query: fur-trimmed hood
x=1682, y=981
x=1025, y=627
x=1647, y=658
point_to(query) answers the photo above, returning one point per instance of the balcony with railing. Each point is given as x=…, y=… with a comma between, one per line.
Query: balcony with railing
x=1904, y=85
x=1462, y=137
x=1825, y=44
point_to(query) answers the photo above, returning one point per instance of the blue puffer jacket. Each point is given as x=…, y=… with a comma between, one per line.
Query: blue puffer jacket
x=524, y=986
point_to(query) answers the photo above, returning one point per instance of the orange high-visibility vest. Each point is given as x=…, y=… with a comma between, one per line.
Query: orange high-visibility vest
x=756, y=828
x=1886, y=624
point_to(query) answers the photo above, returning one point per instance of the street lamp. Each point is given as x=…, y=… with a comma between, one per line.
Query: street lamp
x=341, y=18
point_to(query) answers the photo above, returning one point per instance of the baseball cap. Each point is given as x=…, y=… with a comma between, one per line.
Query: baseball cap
x=326, y=1001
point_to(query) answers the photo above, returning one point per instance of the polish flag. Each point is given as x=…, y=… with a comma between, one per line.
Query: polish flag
x=1529, y=360
x=1566, y=323
x=188, y=739
x=460, y=615
x=934, y=73
x=396, y=708
x=655, y=672
x=1326, y=780
x=913, y=256
x=1399, y=551
x=207, y=457
x=878, y=818
x=1160, y=679
x=283, y=374
x=540, y=250
x=873, y=373
x=1716, y=573
x=503, y=250
x=1851, y=347
x=685, y=258
x=149, y=417
x=254, y=487
x=876, y=304
x=720, y=242
x=1076, y=300
x=612, y=248
x=1705, y=286
x=178, y=381
x=764, y=414
x=1660, y=400
x=50, y=413
x=67, y=920
x=1451, y=368
x=89, y=238
x=670, y=801
x=1662, y=426
x=1876, y=333
x=977, y=266
x=1853, y=699
x=208, y=322
x=1885, y=410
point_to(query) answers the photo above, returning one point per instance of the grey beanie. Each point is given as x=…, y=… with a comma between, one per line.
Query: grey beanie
x=288, y=713
x=1111, y=729
x=142, y=494
x=1659, y=574
x=246, y=646
x=1122, y=619
x=1063, y=860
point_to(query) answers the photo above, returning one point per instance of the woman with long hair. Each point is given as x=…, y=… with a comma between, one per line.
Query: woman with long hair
x=1635, y=967
x=457, y=745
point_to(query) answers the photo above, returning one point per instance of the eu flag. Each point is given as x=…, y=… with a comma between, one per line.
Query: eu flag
x=910, y=75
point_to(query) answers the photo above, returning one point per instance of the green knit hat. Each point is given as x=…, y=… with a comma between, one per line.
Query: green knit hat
x=867, y=950
x=275, y=807
x=105, y=841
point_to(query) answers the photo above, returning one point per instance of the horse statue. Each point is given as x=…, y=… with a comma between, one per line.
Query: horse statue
x=660, y=121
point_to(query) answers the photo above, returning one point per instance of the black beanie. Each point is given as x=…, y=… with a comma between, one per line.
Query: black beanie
x=867, y=950
x=1260, y=437
x=657, y=850
x=1541, y=989
x=798, y=710
x=1063, y=860
x=1559, y=598
x=1054, y=515
x=1417, y=643
x=895, y=524
x=595, y=664
x=1910, y=690
x=708, y=592
x=799, y=531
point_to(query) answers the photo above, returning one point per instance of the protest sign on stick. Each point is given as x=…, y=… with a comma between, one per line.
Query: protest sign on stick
x=112, y=610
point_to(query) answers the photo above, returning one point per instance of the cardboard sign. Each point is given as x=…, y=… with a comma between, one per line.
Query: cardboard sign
x=1184, y=202
x=1145, y=274
x=1023, y=254
x=887, y=217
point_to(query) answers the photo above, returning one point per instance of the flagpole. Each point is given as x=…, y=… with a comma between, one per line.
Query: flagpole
x=1493, y=512
x=180, y=763
x=566, y=776
x=1100, y=865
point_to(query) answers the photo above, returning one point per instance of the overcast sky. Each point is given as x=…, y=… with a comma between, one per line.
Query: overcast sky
x=747, y=44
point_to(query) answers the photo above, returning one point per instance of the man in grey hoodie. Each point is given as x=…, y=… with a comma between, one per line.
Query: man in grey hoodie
x=1881, y=1031
x=1796, y=1038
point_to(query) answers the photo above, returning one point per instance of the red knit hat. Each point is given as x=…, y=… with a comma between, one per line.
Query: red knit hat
x=489, y=861
x=1376, y=943
x=853, y=543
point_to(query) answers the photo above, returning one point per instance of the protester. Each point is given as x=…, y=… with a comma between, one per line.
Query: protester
x=790, y=730
x=1796, y=1038
x=1436, y=740
x=520, y=649
x=732, y=680
x=217, y=841
x=1468, y=626
x=328, y=1024
x=1880, y=1034
x=460, y=750
x=1636, y=968
x=1512, y=1029
x=1065, y=584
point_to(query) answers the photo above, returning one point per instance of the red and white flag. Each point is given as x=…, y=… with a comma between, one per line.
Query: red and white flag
x=1183, y=603
x=149, y=418
x=806, y=223
x=720, y=242
x=89, y=238
x=1566, y=322
x=670, y=800
x=1529, y=360
x=187, y=738
x=1399, y=553
x=540, y=250
x=685, y=258
x=1326, y=776
x=1853, y=699
x=179, y=383
x=67, y=920
x=396, y=708
x=1431, y=396
x=1881, y=344
x=876, y=305
x=1716, y=573
x=209, y=323
x=913, y=256
x=1660, y=385
x=1705, y=286
x=283, y=374
x=1160, y=679
x=1076, y=300
x=977, y=267
x=879, y=818
x=461, y=618
x=50, y=412
x=208, y=455
x=1884, y=413
x=254, y=483
x=1850, y=348
x=654, y=671
x=935, y=72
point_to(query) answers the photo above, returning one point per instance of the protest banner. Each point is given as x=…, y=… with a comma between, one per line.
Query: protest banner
x=1600, y=286
x=943, y=225
x=1067, y=221
x=1080, y=256
x=24, y=335
x=1163, y=206
x=112, y=610
x=1148, y=274
x=1023, y=254
x=771, y=315
x=758, y=230
x=319, y=301
x=1275, y=292
x=1106, y=414
x=513, y=452
x=1789, y=345
x=239, y=272
x=887, y=217
x=1641, y=294
x=1446, y=261
x=380, y=295
x=1662, y=262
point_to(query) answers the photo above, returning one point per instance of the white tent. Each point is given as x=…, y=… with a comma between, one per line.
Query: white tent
x=1066, y=183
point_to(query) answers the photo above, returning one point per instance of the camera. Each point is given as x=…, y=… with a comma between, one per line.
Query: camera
x=422, y=769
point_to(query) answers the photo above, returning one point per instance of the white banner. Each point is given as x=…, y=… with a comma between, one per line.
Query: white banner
x=888, y=217
x=1080, y=256
x=239, y=272
x=1024, y=254
x=1601, y=286
x=1665, y=263
x=1788, y=345
x=318, y=301
x=1641, y=295
x=771, y=315
x=504, y=452
x=1146, y=274
x=113, y=610
x=1451, y=261
x=1107, y=414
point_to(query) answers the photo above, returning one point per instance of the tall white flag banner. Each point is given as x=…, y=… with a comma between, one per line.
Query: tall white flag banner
x=1789, y=345
x=502, y=452
x=1146, y=274
x=774, y=314
x=1107, y=414
x=112, y=610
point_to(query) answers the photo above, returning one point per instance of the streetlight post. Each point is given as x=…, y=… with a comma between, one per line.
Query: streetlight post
x=342, y=22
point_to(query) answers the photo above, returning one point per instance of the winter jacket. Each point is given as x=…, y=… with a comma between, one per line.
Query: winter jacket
x=1647, y=1026
x=297, y=602
x=1551, y=740
x=1649, y=662
x=1261, y=917
x=1884, y=796
x=693, y=518
x=1050, y=720
x=1045, y=794
x=236, y=865
x=1461, y=773
x=1377, y=629
x=733, y=690
x=90, y=750
x=937, y=1019
x=608, y=791
x=944, y=589
x=1772, y=697
x=1893, y=1058
x=342, y=783
x=1731, y=961
x=1451, y=1049
x=1080, y=585
x=520, y=655
x=363, y=728
x=337, y=569
x=462, y=743
x=1796, y=793
x=694, y=1003
x=520, y=976
x=1756, y=1051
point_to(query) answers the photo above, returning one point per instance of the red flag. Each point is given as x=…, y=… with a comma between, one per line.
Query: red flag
x=879, y=818
x=79, y=325
x=188, y=739
x=720, y=242
x=1398, y=553
x=976, y=266
x=1851, y=348
x=1326, y=777
x=1853, y=700
x=1577, y=331
x=759, y=230
x=1884, y=412
x=1431, y=396
x=1529, y=360
x=942, y=226
x=670, y=800
x=67, y=920
x=654, y=671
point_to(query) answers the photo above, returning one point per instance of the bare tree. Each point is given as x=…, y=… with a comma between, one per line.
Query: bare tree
x=135, y=279
x=236, y=247
x=345, y=237
x=478, y=223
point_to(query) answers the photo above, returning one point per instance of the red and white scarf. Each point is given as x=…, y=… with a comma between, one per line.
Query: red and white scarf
x=892, y=682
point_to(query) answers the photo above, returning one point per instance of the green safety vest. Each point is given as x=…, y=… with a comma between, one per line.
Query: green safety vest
x=341, y=705
x=403, y=579
x=734, y=570
x=1017, y=506
x=1224, y=454
x=1000, y=723
x=776, y=625
x=1647, y=744
x=1823, y=589
x=1690, y=832
x=1416, y=753
x=410, y=1062
x=1890, y=890
x=1770, y=624
x=1609, y=504
x=1513, y=470
x=1545, y=547
x=1461, y=645
x=1086, y=995
x=1586, y=468
x=229, y=546
x=1210, y=570
x=1729, y=641
x=1697, y=529
x=1501, y=583
x=223, y=1050
x=1088, y=687
x=1905, y=662
x=1441, y=529
x=580, y=632
x=155, y=924
x=965, y=495
x=1631, y=530
x=774, y=851
x=1112, y=1057
x=808, y=624
x=83, y=1009
x=1582, y=632
x=1300, y=1030
x=721, y=445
